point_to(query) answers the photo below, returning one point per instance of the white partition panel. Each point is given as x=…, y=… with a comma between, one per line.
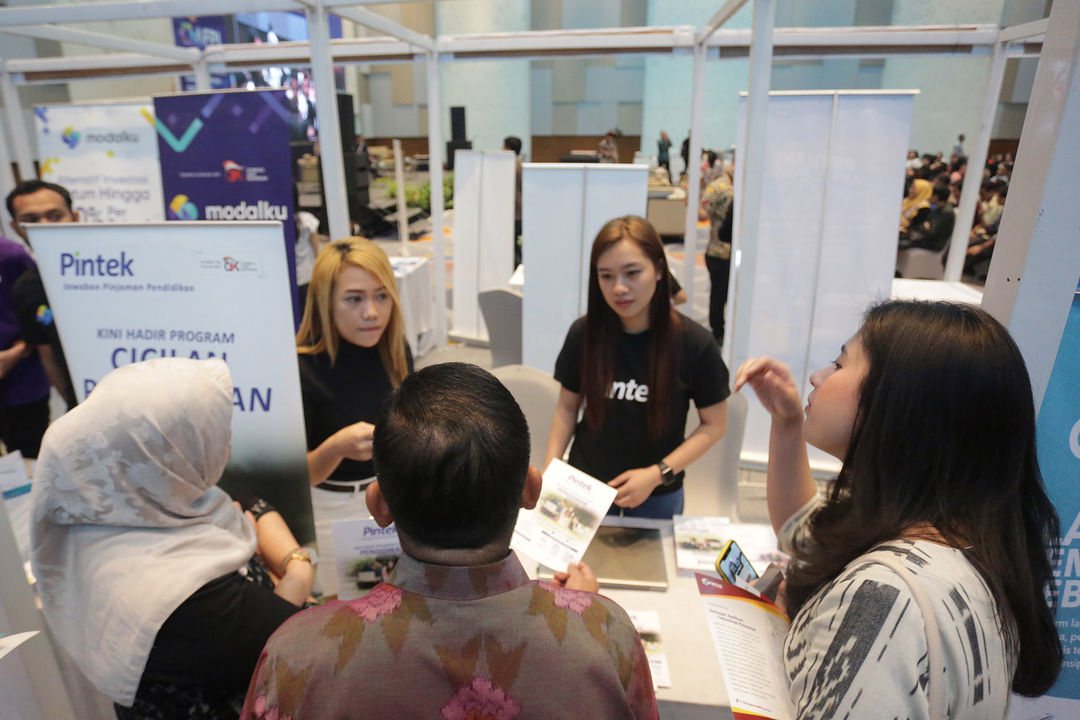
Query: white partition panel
x=611, y=191
x=483, y=233
x=826, y=246
x=563, y=207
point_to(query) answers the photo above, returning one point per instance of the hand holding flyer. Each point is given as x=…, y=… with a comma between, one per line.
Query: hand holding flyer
x=559, y=529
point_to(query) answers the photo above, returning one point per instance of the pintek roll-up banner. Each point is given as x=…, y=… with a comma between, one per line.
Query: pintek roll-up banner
x=126, y=293
x=107, y=158
x=1058, y=442
x=225, y=156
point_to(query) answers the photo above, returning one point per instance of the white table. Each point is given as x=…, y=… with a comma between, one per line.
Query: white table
x=697, y=689
x=909, y=289
x=413, y=275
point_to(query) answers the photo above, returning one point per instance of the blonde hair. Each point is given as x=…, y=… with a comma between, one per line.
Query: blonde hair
x=319, y=334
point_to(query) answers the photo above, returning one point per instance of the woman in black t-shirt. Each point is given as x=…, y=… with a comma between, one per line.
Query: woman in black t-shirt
x=635, y=364
x=352, y=352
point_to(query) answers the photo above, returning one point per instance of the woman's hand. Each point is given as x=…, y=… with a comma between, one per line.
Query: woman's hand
x=577, y=577
x=636, y=485
x=774, y=386
x=355, y=441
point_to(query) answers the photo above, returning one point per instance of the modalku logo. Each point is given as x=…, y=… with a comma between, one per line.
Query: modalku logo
x=70, y=137
x=180, y=208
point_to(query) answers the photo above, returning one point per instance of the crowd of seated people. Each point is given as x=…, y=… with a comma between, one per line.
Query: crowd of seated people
x=932, y=189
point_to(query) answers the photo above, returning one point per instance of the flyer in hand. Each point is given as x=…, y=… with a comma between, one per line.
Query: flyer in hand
x=364, y=555
x=748, y=635
x=559, y=529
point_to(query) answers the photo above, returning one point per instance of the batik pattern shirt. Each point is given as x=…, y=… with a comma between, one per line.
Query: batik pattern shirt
x=455, y=643
x=857, y=648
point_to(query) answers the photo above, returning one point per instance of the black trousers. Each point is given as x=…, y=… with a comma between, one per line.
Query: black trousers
x=21, y=426
x=719, y=274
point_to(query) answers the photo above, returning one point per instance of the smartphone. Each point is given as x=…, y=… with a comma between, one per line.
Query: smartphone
x=734, y=566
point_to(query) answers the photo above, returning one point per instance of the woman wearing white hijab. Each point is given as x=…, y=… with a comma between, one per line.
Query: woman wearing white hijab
x=147, y=571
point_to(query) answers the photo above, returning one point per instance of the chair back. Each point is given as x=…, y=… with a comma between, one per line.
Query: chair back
x=538, y=394
x=711, y=485
x=502, y=315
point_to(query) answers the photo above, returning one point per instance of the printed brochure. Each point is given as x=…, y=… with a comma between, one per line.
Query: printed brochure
x=559, y=529
x=748, y=635
x=364, y=555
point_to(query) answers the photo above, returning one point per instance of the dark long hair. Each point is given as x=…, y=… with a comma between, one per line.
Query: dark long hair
x=602, y=328
x=944, y=436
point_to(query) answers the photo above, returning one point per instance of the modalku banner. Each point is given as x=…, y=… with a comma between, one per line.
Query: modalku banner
x=126, y=293
x=107, y=158
x=225, y=156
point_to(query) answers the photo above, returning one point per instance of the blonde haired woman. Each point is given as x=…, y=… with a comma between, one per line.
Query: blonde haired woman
x=352, y=353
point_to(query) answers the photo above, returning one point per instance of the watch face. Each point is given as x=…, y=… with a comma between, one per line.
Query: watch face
x=667, y=475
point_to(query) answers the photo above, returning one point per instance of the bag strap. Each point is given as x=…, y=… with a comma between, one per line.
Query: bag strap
x=934, y=660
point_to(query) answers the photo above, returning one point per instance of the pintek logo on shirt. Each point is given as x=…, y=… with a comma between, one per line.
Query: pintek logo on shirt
x=629, y=390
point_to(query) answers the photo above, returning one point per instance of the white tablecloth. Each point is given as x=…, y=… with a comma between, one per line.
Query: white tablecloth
x=413, y=275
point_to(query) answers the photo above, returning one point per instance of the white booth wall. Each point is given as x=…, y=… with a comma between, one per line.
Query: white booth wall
x=826, y=243
x=563, y=207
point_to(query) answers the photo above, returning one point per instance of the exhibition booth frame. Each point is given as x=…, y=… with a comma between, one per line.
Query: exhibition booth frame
x=1038, y=230
x=136, y=58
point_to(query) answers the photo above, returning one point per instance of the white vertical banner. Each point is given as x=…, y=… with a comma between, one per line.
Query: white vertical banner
x=127, y=293
x=563, y=206
x=483, y=233
x=826, y=245
x=107, y=158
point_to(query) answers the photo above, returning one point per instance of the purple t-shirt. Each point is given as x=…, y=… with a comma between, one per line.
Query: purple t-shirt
x=26, y=382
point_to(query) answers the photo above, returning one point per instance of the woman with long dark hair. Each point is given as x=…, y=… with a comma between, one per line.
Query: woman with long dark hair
x=636, y=364
x=919, y=581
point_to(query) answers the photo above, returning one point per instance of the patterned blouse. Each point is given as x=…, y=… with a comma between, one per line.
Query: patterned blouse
x=857, y=649
x=456, y=643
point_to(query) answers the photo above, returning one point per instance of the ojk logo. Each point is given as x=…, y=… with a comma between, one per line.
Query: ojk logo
x=70, y=137
x=233, y=171
x=180, y=208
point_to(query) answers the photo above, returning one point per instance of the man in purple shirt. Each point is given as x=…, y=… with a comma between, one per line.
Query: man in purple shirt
x=458, y=630
x=31, y=202
x=24, y=388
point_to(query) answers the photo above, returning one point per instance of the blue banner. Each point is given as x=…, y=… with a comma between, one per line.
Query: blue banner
x=225, y=156
x=200, y=32
x=1058, y=437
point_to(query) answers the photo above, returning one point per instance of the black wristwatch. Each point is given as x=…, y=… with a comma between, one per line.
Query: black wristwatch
x=667, y=475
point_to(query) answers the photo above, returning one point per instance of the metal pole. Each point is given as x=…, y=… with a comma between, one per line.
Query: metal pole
x=402, y=210
x=202, y=75
x=7, y=182
x=693, y=174
x=1032, y=279
x=969, y=195
x=330, y=150
x=20, y=141
x=752, y=163
x=435, y=165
